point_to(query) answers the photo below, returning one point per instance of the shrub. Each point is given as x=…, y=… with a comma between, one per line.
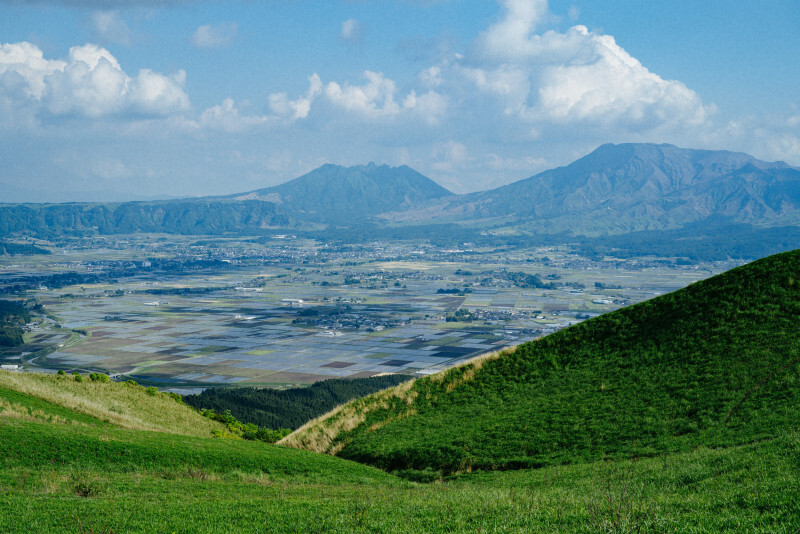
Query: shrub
x=152, y=390
x=99, y=377
x=176, y=397
x=78, y=377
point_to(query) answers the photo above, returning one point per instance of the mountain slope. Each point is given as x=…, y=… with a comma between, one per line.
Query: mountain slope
x=335, y=192
x=629, y=187
x=187, y=217
x=716, y=363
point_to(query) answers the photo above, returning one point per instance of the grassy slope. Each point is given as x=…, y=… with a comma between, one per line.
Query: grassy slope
x=66, y=471
x=112, y=402
x=713, y=364
x=60, y=480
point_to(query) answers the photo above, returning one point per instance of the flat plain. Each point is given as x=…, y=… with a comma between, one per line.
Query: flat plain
x=184, y=313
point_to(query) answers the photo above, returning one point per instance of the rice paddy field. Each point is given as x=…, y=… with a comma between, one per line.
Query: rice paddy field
x=283, y=313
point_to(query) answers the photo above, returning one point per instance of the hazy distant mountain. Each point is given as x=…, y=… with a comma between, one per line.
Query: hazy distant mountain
x=630, y=187
x=615, y=190
x=188, y=217
x=333, y=192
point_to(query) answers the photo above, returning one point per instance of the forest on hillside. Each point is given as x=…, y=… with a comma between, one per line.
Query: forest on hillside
x=289, y=408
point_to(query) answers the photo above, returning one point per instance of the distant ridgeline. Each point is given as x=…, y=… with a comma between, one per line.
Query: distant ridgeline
x=290, y=408
x=191, y=217
x=669, y=200
x=714, y=364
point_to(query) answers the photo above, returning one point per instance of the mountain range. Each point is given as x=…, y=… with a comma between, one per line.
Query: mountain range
x=619, y=189
x=615, y=190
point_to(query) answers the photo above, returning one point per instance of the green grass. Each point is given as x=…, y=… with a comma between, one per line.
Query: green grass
x=714, y=364
x=678, y=415
x=59, y=481
x=112, y=402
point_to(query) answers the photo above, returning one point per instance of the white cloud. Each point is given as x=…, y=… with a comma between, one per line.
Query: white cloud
x=27, y=62
x=109, y=27
x=226, y=117
x=299, y=108
x=576, y=77
x=373, y=99
x=352, y=31
x=769, y=138
x=155, y=94
x=378, y=98
x=430, y=106
x=90, y=83
x=214, y=35
x=614, y=86
x=511, y=37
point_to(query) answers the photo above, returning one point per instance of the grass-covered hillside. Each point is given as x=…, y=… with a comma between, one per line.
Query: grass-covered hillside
x=123, y=405
x=706, y=378
x=714, y=364
x=62, y=470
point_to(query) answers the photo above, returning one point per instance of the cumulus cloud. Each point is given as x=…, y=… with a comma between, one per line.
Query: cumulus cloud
x=378, y=98
x=226, y=117
x=511, y=37
x=573, y=77
x=90, y=82
x=352, y=31
x=373, y=99
x=214, y=35
x=299, y=108
x=110, y=27
x=771, y=138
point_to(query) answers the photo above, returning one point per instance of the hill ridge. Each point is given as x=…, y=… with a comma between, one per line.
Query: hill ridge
x=660, y=376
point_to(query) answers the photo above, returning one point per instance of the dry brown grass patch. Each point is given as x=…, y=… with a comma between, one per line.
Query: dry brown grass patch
x=116, y=403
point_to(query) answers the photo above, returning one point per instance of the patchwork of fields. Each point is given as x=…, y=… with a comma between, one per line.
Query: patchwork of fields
x=307, y=315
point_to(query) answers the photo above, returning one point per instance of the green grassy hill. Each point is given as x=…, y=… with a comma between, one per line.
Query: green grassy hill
x=65, y=471
x=715, y=364
x=678, y=415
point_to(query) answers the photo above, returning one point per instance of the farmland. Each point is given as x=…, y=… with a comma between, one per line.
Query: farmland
x=183, y=314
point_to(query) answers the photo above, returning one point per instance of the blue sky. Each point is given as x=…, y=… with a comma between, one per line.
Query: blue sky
x=116, y=99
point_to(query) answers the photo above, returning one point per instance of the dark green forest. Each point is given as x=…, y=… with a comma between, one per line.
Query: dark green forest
x=289, y=408
x=13, y=316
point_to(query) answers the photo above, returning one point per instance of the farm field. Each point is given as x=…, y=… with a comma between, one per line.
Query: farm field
x=183, y=315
